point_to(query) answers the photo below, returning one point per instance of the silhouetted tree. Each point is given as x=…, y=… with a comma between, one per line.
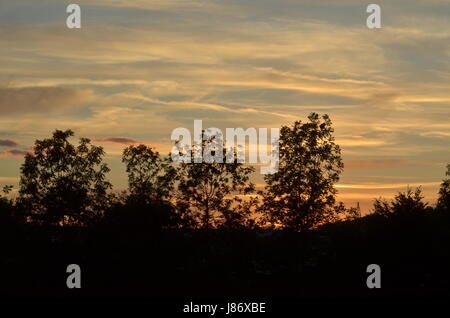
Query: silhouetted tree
x=150, y=177
x=346, y=214
x=6, y=207
x=64, y=184
x=151, y=180
x=238, y=213
x=444, y=193
x=404, y=204
x=301, y=195
x=133, y=215
x=209, y=191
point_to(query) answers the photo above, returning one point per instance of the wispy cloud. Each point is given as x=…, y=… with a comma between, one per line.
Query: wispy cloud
x=385, y=186
x=124, y=141
x=142, y=68
x=13, y=153
x=41, y=99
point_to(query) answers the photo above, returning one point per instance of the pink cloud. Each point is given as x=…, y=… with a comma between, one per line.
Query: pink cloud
x=125, y=141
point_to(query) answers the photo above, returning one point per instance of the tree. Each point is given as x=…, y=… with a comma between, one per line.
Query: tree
x=404, y=204
x=150, y=177
x=301, y=194
x=238, y=213
x=208, y=192
x=64, y=184
x=444, y=193
x=151, y=181
x=342, y=213
x=6, y=206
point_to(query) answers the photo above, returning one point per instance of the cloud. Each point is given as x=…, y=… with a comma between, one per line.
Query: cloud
x=157, y=65
x=386, y=186
x=377, y=164
x=160, y=5
x=437, y=134
x=382, y=98
x=9, y=179
x=361, y=142
x=13, y=153
x=39, y=99
x=118, y=140
x=8, y=143
x=124, y=141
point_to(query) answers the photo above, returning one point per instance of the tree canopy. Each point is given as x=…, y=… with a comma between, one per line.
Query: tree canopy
x=150, y=177
x=208, y=191
x=301, y=195
x=62, y=183
x=404, y=204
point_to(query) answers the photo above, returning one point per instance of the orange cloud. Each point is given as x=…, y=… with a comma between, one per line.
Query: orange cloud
x=386, y=186
x=376, y=164
x=13, y=153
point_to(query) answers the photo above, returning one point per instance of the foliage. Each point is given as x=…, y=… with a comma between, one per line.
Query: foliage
x=404, y=204
x=444, y=193
x=140, y=216
x=209, y=191
x=150, y=177
x=301, y=195
x=64, y=184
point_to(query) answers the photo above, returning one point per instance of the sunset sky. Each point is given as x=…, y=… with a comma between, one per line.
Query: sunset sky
x=137, y=69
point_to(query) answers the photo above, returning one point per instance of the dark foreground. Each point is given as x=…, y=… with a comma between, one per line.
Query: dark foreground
x=413, y=253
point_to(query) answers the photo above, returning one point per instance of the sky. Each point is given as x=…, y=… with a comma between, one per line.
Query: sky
x=138, y=69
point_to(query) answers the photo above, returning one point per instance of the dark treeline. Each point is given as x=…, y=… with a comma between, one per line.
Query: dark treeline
x=202, y=229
